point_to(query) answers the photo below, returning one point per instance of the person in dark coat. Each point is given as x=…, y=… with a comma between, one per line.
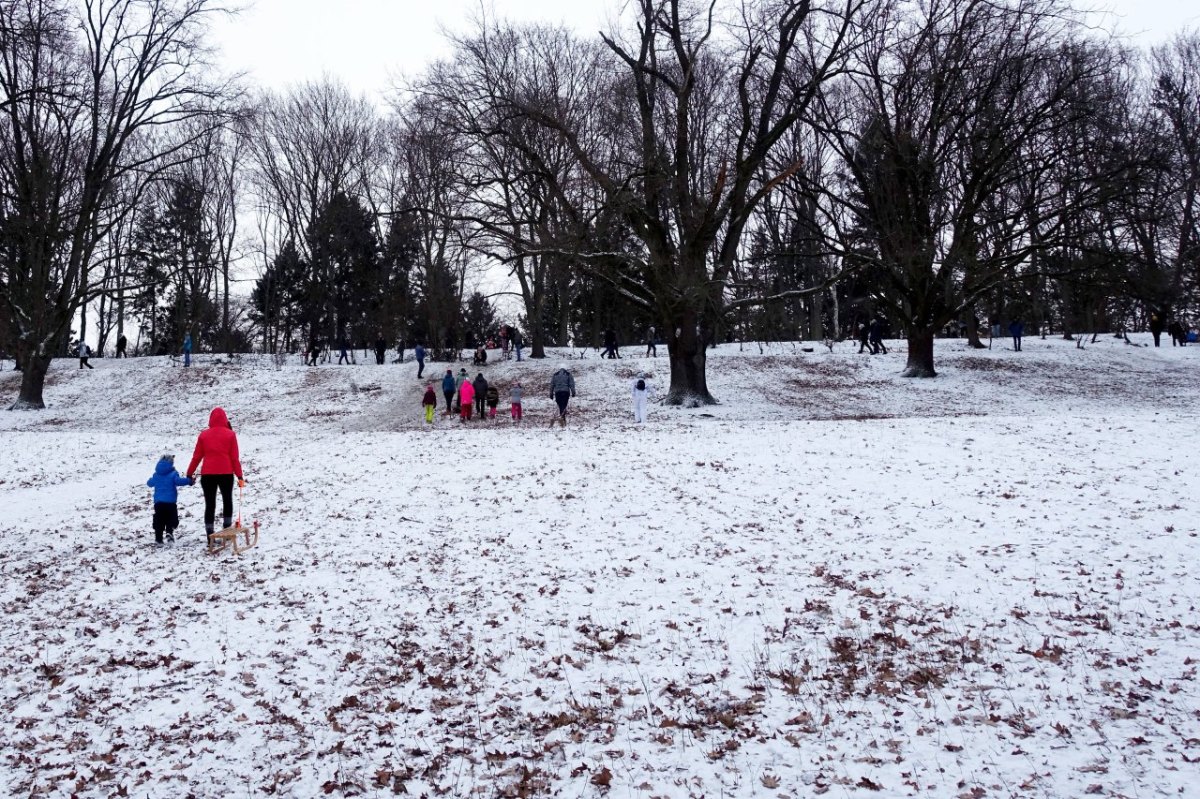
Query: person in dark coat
x=651, y=343
x=122, y=342
x=380, y=350
x=344, y=355
x=876, y=337
x=864, y=339
x=481, y=388
x=517, y=341
x=493, y=400
x=1177, y=333
x=1157, y=325
x=610, y=344
x=1016, y=328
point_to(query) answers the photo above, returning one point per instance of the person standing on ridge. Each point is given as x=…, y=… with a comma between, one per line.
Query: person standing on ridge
x=419, y=354
x=187, y=350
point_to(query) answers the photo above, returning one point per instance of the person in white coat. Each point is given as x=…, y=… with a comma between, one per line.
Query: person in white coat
x=640, y=391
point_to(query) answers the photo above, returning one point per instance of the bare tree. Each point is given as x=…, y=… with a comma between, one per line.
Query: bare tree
x=85, y=90
x=946, y=128
x=683, y=110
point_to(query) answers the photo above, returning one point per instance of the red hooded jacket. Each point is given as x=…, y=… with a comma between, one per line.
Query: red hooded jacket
x=217, y=447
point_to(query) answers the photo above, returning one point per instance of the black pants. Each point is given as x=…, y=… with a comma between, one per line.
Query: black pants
x=166, y=517
x=562, y=398
x=209, y=483
x=480, y=399
x=420, y=367
x=84, y=362
x=380, y=357
x=449, y=395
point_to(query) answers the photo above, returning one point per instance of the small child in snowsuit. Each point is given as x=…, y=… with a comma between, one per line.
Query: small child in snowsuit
x=430, y=403
x=493, y=399
x=514, y=398
x=165, y=481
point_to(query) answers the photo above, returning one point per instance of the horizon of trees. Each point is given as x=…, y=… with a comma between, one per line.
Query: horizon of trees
x=759, y=170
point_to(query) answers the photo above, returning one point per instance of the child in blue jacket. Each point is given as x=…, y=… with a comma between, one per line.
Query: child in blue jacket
x=165, y=481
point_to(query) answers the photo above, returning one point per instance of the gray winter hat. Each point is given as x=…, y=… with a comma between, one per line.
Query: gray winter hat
x=168, y=458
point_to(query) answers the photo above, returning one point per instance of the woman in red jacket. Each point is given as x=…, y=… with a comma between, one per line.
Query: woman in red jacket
x=217, y=447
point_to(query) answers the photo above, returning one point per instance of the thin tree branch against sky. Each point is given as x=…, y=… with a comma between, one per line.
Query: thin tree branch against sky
x=369, y=43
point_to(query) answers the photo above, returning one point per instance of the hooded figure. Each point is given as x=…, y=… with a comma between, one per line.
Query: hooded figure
x=466, y=398
x=166, y=482
x=217, y=449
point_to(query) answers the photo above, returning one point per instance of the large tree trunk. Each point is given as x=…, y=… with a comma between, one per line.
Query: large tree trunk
x=686, y=347
x=33, y=379
x=920, y=353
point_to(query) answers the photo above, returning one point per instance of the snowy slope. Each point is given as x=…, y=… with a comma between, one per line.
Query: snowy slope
x=835, y=582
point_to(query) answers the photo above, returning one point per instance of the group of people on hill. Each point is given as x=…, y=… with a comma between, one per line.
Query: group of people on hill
x=479, y=398
x=1176, y=328
x=870, y=337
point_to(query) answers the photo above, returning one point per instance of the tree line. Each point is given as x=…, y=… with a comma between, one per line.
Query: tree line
x=754, y=170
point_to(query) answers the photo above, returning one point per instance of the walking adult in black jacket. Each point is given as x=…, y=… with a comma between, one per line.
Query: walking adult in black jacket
x=380, y=351
x=481, y=387
x=1157, y=325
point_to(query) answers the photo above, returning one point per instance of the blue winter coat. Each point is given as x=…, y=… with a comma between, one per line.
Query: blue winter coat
x=419, y=352
x=187, y=344
x=448, y=383
x=165, y=481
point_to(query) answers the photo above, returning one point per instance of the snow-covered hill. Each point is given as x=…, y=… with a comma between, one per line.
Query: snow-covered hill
x=837, y=581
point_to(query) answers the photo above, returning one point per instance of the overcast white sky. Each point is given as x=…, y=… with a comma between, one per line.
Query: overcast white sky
x=366, y=42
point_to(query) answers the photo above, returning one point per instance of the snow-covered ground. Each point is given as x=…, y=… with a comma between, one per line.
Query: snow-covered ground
x=836, y=582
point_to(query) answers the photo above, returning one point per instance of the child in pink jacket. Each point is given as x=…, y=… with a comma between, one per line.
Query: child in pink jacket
x=466, y=399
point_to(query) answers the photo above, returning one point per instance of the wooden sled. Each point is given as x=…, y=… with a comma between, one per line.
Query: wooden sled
x=218, y=541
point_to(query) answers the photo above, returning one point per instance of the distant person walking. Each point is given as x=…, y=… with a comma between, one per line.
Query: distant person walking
x=610, y=344
x=1157, y=325
x=187, y=350
x=517, y=342
x=562, y=388
x=122, y=343
x=651, y=343
x=344, y=354
x=380, y=350
x=1177, y=333
x=864, y=339
x=217, y=454
x=876, y=337
x=85, y=352
x=1016, y=329
x=640, y=391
